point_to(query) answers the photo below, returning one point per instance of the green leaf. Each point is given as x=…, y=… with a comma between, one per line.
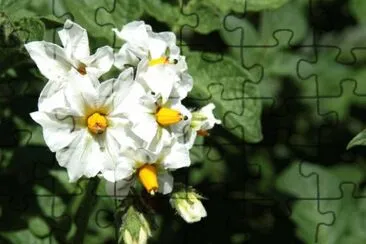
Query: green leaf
x=29, y=29
x=227, y=85
x=38, y=226
x=162, y=11
x=321, y=191
x=208, y=18
x=290, y=17
x=358, y=140
x=358, y=9
x=99, y=17
x=51, y=21
x=258, y=5
x=241, y=6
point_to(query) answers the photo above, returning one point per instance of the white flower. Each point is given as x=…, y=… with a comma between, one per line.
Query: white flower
x=201, y=121
x=54, y=62
x=188, y=205
x=88, y=128
x=140, y=41
x=159, y=66
x=152, y=170
x=155, y=122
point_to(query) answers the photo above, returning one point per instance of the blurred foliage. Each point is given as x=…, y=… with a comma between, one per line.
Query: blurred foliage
x=289, y=110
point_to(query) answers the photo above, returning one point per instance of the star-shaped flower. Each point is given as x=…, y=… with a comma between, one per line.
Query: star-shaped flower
x=156, y=122
x=152, y=170
x=160, y=67
x=88, y=128
x=54, y=62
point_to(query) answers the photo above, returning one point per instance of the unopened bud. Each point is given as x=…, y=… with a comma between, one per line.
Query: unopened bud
x=188, y=205
x=135, y=227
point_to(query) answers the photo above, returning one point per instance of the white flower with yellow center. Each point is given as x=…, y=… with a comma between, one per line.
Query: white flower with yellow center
x=54, y=62
x=152, y=170
x=159, y=66
x=156, y=123
x=201, y=121
x=88, y=128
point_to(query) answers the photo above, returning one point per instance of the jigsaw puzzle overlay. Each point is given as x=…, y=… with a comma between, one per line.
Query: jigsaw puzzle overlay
x=288, y=81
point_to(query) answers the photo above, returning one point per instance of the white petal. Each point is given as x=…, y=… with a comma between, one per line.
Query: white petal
x=114, y=92
x=168, y=37
x=165, y=181
x=177, y=157
x=118, y=128
x=162, y=138
x=207, y=111
x=100, y=62
x=125, y=57
x=183, y=86
x=81, y=93
x=75, y=40
x=160, y=79
x=157, y=48
x=180, y=128
x=83, y=157
x=52, y=96
x=59, y=129
x=135, y=32
x=50, y=59
x=144, y=126
x=119, y=189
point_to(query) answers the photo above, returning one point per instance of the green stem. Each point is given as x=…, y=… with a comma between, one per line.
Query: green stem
x=84, y=209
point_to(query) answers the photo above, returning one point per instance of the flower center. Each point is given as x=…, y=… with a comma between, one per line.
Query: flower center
x=97, y=123
x=167, y=116
x=156, y=61
x=203, y=133
x=148, y=177
x=162, y=60
x=82, y=69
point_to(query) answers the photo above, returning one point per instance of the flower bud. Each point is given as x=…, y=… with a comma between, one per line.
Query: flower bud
x=188, y=205
x=204, y=119
x=135, y=227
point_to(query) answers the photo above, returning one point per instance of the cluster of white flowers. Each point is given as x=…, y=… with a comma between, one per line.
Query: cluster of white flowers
x=126, y=128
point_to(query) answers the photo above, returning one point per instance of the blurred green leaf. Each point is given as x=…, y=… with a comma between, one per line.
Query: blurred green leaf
x=229, y=87
x=247, y=5
x=99, y=17
x=38, y=226
x=358, y=9
x=51, y=21
x=208, y=18
x=358, y=140
x=258, y=5
x=162, y=11
x=320, y=191
x=29, y=29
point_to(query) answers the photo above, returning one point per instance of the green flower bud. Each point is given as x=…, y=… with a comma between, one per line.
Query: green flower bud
x=135, y=227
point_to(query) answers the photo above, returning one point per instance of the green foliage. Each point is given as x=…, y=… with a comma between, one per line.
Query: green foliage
x=101, y=16
x=358, y=140
x=229, y=87
x=278, y=97
x=301, y=180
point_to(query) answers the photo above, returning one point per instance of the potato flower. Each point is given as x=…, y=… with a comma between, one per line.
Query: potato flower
x=152, y=170
x=89, y=127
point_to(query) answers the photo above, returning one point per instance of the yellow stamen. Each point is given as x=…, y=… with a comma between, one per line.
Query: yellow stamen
x=167, y=116
x=161, y=60
x=97, y=123
x=82, y=69
x=148, y=177
x=203, y=133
